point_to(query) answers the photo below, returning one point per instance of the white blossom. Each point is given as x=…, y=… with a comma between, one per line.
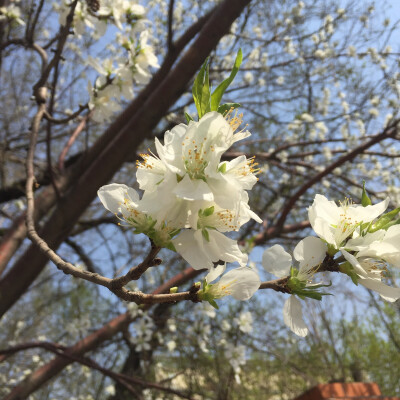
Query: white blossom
x=335, y=224
x=240, y=283
x=310, y=253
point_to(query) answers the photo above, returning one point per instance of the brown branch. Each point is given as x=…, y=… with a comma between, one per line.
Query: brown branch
x=273, y=231
x=67, y=119
x=170, y=23
x=62, y=351
x=82, y=255
x=47, y=68
x=389, y=131
x=71, y=141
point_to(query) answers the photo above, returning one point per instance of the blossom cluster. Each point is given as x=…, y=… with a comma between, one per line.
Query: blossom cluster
x=11, y=13
x=361, y=240
x=192, y=199
x=117, y=75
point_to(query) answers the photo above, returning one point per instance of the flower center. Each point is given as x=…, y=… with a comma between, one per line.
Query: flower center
x=196, y=157
x=151, y=162
x=223, y=220
x=375, y=269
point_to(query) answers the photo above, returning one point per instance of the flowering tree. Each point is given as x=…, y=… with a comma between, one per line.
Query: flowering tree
x=314, y=83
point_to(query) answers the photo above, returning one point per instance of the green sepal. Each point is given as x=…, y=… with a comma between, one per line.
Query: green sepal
x=311, y=294
x=385, y=221
x=224, y=108
x=364, y=228
x=214, y=304
x=205, y=234
x=170, y=246
x=174, y=233
x=222, y=168
x=178, y=178
x=320, y=285
x=365, y=200
x=348, y=269
x=221, y=88
x=201, y=90
x=332, y=250
x=300, y=288
x=188, y=117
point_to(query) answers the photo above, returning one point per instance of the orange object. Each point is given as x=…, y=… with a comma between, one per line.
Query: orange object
x=345, y=391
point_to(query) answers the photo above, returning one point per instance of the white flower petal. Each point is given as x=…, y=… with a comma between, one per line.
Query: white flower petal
x=369, y=213
x=325, y=209
x=215, y=272
x=191, y=248
x=363, y=242
x=220, y=247
x=293, y=316
x=188, y=189
x=277, y=261
x=387, y=292
x=243, y=282
x=311, y=250
x=112, y=196
x=355, y=263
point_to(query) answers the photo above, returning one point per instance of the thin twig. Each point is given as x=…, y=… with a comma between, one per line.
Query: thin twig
x=71, y=141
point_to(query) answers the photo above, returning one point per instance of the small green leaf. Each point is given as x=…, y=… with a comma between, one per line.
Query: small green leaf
x=220, y=90
x=208, y=211
x=197, y=89
x=205, y=234
x=173, y=290
x=205, y=103
x=224, y=108
x=365, y=200
x=385, y=221
x=188, y=117
x=222, y=168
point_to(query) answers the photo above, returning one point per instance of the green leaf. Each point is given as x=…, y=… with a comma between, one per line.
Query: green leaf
x=365, y=200
x=188, y=117
x=208, y=211
x=205, y=103
x=222, y=168
x=198, y=86
x=385, y=221
x=220, y=90
x=224, y=108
